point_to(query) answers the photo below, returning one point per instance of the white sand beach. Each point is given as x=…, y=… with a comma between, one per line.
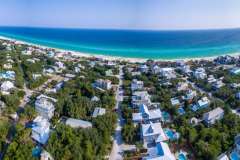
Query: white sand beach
x=115, y=58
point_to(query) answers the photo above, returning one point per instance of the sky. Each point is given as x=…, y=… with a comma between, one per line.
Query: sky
x=121, y=14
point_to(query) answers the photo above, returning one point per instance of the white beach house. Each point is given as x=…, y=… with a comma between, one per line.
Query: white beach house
x=103, y=84
x=44, y=107
x=200, y=73
x=139, y=98
x=40, y=130
x=146, y=115
x=98, y=112
x=214, y=115
x=159, y=152
x=136, y=85
x=6, y=87
x=167, y=73
x=152, y=133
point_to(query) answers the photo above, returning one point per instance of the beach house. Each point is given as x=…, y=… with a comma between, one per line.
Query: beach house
x=44, y=107
x=7, y=66
x=160, y=151
x=167, y=73
x=98, y=111
x=182, y=86
x=200, y=73
x=40, y=129
x=7, y=75
x=140, y=98
x=136, y=85
x=145, y=115
x=211, y=117
x=143, y=68
x=6, y=87
x=103, y=84
x=202, y=103
x=189, y=95
x=155, y=69
x=185, y=69
x=152, y=133
x=218, y=84
x=175, y=101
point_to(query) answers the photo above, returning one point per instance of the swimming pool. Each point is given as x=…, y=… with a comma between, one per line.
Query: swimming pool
x=181, y=111
x=181, y=156
x=234, y=156
x=166, y=116
x=171, y=134
x=36, y=151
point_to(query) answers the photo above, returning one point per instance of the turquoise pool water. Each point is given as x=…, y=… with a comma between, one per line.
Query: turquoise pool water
x=233, y=156
x=166, y=116
x=36, y=151
x=181, y=156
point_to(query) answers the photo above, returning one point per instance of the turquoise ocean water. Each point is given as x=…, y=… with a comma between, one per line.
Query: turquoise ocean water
x=133, y=43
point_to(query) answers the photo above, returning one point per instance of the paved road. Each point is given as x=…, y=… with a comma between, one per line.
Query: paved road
x=116, y=153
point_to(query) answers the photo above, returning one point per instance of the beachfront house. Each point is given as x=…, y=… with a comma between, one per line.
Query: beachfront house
x=167, y=73
x=44, y=107
x=136, y=85
x=40, y=129
x=145, y=115
x=152, y=133
x=98, y=112
x=211, y=117
x=103, y=84
x=200, y=73
x=140, y=98
x=78, y=123
x=160, y=151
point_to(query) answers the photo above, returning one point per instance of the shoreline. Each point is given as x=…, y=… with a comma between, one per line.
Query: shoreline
x=115, y=58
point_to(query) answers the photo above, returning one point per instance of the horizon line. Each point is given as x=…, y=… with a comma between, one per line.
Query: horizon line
x=127, y=29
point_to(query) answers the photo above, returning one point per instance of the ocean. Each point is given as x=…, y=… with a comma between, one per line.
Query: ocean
x=133, y=43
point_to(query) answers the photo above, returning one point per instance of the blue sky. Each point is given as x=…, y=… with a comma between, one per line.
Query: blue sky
x=127, y=14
